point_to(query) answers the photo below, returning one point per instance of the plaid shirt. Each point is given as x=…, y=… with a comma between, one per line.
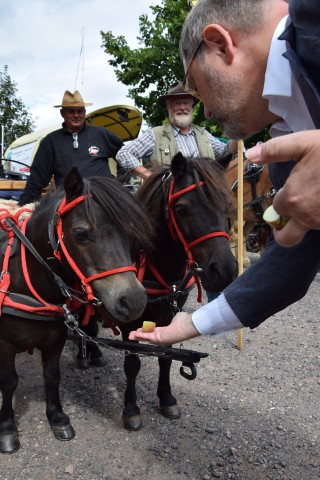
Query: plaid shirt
x=131, y=154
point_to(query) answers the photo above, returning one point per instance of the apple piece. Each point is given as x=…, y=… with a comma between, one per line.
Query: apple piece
x=271, y=217
x=148, y=327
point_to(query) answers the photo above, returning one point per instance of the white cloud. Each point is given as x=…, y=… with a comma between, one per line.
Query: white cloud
x=41, y=42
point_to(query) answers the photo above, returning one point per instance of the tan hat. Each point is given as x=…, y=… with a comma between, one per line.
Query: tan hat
x=72, y=100
x=176, y=89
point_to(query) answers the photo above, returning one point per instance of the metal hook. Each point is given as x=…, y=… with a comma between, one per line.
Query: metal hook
x=188, y=376
x=196, y=268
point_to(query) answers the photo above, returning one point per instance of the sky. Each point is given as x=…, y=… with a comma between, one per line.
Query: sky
x=55, y=45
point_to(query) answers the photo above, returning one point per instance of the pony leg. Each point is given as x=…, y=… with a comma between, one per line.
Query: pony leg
x=131, y=412
x=9, y=437
x=168, y=403
x=58, y=420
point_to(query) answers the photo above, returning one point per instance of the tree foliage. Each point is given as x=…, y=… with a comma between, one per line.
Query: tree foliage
x=151, y=68
x=14, y=116
x=156, y=64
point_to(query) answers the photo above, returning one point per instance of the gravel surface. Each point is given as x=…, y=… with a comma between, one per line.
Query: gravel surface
x=249, y=415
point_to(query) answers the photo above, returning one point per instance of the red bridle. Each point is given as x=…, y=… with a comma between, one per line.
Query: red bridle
x=172, y=197
x=63, y=208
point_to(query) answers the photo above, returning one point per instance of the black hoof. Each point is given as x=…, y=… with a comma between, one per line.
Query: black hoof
x=133, y=423
x=83, y=363
x=9, y=443
x=63, y=432
x=170, y=411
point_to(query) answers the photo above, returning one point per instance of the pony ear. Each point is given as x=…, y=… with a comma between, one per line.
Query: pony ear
x=73, y=184
x=225, y=160
x=179, y=166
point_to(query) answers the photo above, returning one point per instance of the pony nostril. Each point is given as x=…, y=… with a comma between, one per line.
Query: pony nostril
x=124, y=304
x=131, y=307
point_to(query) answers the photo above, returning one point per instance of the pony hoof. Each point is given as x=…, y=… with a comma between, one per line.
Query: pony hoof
x=170, y=411
x=63, y=432
x=133, y=423
x=83, y=363
x=9, y=443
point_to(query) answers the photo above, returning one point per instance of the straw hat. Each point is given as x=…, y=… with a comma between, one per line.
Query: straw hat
x=71, y=100
x=176, y=90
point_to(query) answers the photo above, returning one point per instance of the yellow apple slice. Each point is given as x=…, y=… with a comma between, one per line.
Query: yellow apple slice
x=271, y=217
x=148, y=327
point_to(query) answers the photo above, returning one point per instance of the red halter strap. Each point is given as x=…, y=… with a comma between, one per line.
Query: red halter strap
x=63, y=208
x=172, y=197
x=166, y=288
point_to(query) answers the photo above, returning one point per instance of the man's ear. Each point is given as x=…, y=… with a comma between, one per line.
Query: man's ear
x=217, y=38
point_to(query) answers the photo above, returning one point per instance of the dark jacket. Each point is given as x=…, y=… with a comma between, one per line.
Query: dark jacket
x=56, y=155
x=282, y=276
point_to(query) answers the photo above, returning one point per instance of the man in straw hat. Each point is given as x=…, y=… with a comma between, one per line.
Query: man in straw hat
x=160, y=144
x=76, y=144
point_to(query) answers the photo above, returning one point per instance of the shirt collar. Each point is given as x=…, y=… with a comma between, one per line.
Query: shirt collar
x=278, y=73
x=282, y=91
x=177, y=130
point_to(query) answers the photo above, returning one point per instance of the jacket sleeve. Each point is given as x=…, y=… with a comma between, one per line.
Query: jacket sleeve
x=282, y=276
x=41, y=172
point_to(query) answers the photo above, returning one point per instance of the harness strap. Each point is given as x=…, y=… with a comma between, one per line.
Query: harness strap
x=5, y=275
x=185, y=284
x=206, y=237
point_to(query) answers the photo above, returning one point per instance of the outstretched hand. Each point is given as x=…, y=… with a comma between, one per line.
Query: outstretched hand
x=181, y=328
x=299, y=199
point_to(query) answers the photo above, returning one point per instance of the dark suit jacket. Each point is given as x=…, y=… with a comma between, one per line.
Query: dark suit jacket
x=303, y=45
x=282, y=276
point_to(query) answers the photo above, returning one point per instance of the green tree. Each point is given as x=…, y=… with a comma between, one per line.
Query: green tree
x=151, y=68
x=14, y=116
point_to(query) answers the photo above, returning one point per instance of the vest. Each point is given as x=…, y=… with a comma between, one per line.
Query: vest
x=166, y=145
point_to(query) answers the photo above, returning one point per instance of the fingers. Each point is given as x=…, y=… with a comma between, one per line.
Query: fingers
x=157, y=337
x=290, y=235
x=284, y=148
x=181, y=328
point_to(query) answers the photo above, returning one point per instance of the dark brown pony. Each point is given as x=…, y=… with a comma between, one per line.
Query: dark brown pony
x=258, y=193
x=87, y=234
x=190, y=204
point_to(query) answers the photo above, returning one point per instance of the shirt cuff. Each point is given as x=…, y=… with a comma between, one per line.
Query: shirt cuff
x=215, y=318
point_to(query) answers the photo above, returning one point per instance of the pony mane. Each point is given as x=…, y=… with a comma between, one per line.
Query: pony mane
x=116, y=201
x=217, y=191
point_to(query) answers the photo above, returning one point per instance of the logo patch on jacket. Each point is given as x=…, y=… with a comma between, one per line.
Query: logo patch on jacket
x=93, y=150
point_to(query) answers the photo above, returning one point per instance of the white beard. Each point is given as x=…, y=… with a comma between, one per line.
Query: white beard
x=181, y=121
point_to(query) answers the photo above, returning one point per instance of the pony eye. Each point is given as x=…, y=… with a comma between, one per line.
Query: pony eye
x=181, y=209
x=81, y=234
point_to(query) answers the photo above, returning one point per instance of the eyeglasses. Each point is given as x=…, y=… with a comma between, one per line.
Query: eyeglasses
x=183, y=85
x=75, y=140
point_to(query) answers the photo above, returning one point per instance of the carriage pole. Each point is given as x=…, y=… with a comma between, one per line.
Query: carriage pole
x=240, y=223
